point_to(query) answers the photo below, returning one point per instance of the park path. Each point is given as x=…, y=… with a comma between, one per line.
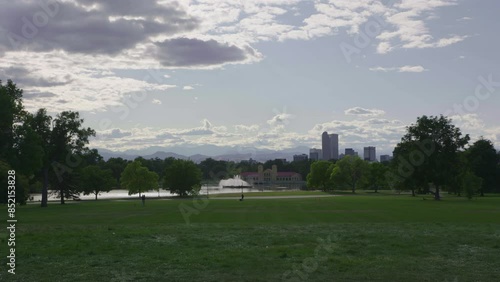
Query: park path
x=274, y=197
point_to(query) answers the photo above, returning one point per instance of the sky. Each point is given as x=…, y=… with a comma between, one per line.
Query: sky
x=268, y=74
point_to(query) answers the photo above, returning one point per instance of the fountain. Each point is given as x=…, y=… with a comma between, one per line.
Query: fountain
x=235, y=182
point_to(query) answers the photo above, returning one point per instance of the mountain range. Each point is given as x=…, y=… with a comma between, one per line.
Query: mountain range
x=200, y=153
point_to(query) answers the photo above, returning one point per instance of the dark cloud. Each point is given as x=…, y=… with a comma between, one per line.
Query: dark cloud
x=37, y=95
x=185, y=52
x=24, y=78
x=72, y=27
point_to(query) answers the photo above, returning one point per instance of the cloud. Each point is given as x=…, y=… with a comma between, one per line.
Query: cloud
x=156, y=102
x=114, y=133
x=358, y=111
x=187, y=88
x=190, y=52
x=399, y=69
x=279, y=119
x=89, y=26
x=246, y=128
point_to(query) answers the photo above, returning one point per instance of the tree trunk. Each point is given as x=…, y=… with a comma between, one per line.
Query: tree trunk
x=482, y=192
x=96, y=196
x=354, y=187
x=436, y=195
x=62, y=195
x=413, y=192
x=45, y=187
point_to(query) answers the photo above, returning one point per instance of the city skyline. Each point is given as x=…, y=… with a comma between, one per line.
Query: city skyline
x=254, y=74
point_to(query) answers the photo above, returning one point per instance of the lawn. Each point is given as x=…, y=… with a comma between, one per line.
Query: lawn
x=343, y=238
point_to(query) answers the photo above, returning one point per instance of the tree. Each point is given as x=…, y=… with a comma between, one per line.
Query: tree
x=68, y=140
x=182, y=177
x=319, y=177
x=95, y=180
x=40, y=122
x=483, y=161
x=376, y=176
x=471, y=183
x=117, y=166
x=427, y=151
x=11, y=113
x=350, y=171
x=137, y=178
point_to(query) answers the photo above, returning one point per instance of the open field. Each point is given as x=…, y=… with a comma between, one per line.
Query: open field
x=347, y=238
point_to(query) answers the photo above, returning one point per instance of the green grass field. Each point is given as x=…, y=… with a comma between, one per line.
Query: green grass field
x=345, y=238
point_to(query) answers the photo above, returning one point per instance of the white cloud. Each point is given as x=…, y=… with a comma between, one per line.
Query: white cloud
x=187, y=88
x=156, y=101
x=399, y=69
x=358, y=111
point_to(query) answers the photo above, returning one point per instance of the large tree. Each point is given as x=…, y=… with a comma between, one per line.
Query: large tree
x=376, y=176
x=95, y=180
x=483, y=160
x=11, y=113
x=137, y=178
x=182, y=177
x=427, y=152
x=67, y=143
x=350, y=171
x=319, y=177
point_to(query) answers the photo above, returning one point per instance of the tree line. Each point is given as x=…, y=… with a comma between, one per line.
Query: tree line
x=432, y=156
x=52, y=153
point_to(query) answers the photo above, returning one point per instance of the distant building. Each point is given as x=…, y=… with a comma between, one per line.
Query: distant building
x=282, y=160
x=315, y=154
x=341, y=156
x=301, y=157
x=270, y=176
x=370, y=154
x=330, y=146
x=385, y=158
x=350, y=152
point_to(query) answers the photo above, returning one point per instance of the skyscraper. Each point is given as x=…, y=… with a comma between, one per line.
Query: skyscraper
x=334, y=146
x=325, y=146
x=330, y=145
x=369, y=154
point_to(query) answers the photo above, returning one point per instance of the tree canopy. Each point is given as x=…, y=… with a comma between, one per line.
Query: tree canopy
x=137, y=178
x=182, y=177
x=426, y=152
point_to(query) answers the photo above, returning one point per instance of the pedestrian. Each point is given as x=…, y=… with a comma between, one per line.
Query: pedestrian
x=143, y=199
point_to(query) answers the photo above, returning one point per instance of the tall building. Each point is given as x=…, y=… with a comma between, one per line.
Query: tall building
x=330, y=146
x=325, y=146
x=334, y=145
x=315, y=154
x=301, y=157
x=369, y=154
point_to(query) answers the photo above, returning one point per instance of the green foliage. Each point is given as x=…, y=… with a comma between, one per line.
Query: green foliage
x=427, y=152
x=182, y=177
x=376, y=176
x=138, y=179
x=351, y=172
x=11, y=112
x=95, y=180
x=116, y=165
x=21, y=184
x=483, y=161
x=319, y=177
x=471, y=184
